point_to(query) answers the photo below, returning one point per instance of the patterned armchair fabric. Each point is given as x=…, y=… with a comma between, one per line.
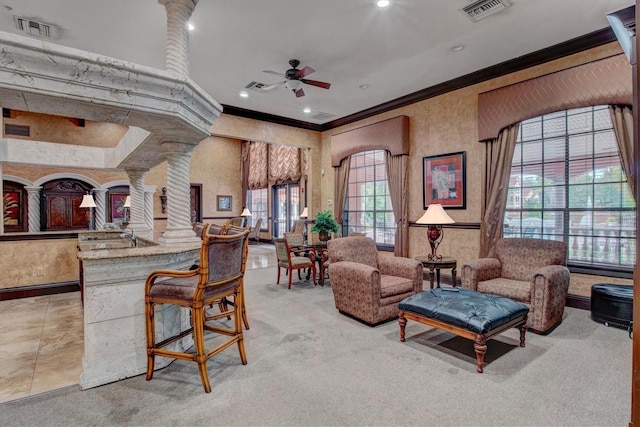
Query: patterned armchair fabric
x=366, y=286
x=531, y=271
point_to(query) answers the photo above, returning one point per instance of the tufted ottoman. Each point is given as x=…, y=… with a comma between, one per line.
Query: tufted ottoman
x=466, y=313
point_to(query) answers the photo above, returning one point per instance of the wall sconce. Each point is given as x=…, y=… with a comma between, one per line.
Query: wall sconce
x=163, y=199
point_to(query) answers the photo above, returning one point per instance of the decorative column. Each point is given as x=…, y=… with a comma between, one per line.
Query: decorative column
x=34, y=208
x=178, y=14
x=179, y=227
x=149, y=191
x=136, y=192
x=2, y=192
x=100, y=215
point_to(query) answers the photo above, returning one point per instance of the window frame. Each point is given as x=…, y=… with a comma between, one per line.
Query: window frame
x=594, y=164
x=375, y=212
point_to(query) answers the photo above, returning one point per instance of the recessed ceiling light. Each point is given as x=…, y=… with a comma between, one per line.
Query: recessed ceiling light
x=307, y=110
x=364, y=86
x=244, y=94
x=191, y=27
x=457, y=48
x=382, y=3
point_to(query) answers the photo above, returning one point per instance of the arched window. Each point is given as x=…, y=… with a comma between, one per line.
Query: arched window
x=567, y=183
x=368, y=203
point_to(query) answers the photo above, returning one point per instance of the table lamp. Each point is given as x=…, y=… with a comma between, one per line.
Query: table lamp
x=88, y=202
x=305, y=215
x=126, y=205
x=434, y=217
x=245, y=213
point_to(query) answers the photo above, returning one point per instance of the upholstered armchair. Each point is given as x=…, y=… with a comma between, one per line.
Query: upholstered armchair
x=254, y=232
x=531, y=271
x=367, y=286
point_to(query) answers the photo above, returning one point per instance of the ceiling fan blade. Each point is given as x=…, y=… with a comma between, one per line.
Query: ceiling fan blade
x=274, y=73
x=273, y=86
x=299, y=92
x=305, y=71
x=323, y=85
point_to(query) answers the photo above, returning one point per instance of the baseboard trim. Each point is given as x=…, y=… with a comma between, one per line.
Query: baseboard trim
x=578, y=301
x=38, y=290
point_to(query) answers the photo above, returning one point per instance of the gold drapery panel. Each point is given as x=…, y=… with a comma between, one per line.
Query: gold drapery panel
x=606, y=81
x=622, y=118
x=258, y=170
x=304, y=162
x=340, y=186
x=284, y=163
x=398, y=176
x=495, y=181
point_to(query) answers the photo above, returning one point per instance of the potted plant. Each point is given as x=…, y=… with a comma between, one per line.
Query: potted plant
x=324, y=225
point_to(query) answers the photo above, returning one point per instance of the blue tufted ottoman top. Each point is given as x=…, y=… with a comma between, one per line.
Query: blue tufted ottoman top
x=475, y=311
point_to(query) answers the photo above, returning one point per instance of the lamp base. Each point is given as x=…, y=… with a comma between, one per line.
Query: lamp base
x=434, y=235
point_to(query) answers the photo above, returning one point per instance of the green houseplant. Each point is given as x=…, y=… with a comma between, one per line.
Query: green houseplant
x=324, y=225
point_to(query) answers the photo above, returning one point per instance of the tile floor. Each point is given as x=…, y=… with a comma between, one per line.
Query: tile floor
x=42, y=340
x=41, y=344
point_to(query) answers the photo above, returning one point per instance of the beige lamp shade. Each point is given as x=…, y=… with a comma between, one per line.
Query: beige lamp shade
x=127, y=202
x=245, y=212
x=434, y=215
x=305, y=213
x=87, y=201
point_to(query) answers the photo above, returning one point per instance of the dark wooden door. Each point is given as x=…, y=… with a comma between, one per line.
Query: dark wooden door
x=61, y=205
x=196, y=203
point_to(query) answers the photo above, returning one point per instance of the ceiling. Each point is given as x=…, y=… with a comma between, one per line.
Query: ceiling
x=395, y=51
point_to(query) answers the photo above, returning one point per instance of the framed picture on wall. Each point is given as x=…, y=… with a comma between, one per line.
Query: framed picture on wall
x=116, y=204
x=444, y=180
x=224, y=203
x=12, y=203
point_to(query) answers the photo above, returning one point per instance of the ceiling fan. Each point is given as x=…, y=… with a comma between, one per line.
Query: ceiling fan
x=293, y=78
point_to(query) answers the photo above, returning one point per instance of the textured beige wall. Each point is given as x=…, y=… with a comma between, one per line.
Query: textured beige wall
x=443, y=124
x=34, y=173
x=63, y=130
x=28, y=262
x=447, y=124
x=215, y=163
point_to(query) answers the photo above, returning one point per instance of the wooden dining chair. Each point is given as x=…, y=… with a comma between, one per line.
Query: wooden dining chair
x=291, y=260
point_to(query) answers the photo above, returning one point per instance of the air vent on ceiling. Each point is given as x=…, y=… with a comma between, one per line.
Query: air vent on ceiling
x=255, y=86
x=34, y=28
x=322, y=116
x=481, y=9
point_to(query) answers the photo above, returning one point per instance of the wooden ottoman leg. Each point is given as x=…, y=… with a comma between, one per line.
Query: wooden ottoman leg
x=523, y=330
x=479, y=344
x=403, y=322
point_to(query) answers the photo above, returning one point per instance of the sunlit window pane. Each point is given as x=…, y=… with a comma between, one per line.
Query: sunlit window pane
x=567, y=183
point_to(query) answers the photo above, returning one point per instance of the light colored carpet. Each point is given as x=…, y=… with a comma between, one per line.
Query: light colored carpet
x=311, y=366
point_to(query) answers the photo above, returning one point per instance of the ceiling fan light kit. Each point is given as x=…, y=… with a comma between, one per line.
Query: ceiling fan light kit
x=293, y=78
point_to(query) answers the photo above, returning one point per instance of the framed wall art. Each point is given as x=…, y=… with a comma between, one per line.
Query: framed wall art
x=224, y=203
x=444, y=180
